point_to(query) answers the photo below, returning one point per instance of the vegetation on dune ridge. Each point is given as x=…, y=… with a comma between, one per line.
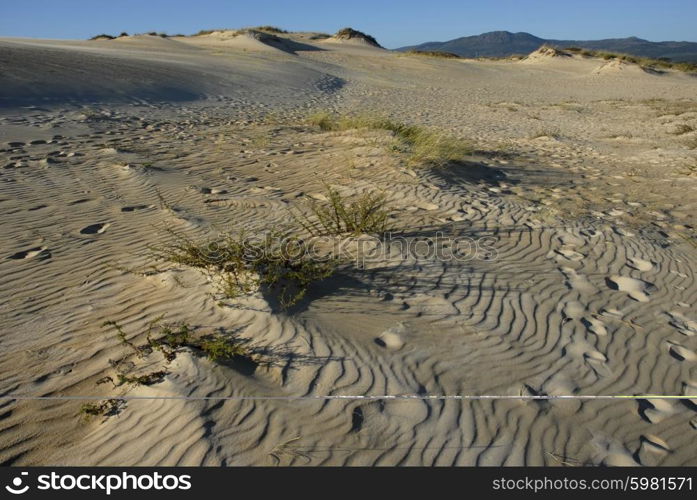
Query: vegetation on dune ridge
x=103, y=36
x=433, y=53
x=123, y=34
x=266, y=29
x=423, y=146
x=349, y=33
x=644, y=62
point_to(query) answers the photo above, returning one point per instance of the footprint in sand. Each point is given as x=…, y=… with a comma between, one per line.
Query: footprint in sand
x=680, y=352
x=586, y=353
x=651, y=450
x=41, y=253
x=655, y=410
x=690, y=389
x=684, y=325
x=570, y=254
x=392, y=338
x=636, y=289
x=640, y=264
x=95, y=228
x=594, y=326
x=135, y=208
x=424, y=205
x=571, y=309
x=577, y=281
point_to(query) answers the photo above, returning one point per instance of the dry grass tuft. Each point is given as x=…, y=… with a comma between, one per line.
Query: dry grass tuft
x=423, y=146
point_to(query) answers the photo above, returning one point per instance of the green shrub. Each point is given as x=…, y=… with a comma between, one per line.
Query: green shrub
x=239, y=265
x=365, y=214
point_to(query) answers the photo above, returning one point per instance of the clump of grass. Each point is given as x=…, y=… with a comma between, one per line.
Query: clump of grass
x=367, y=213
x=433, y=53
x=423, y=146
x=240, y=265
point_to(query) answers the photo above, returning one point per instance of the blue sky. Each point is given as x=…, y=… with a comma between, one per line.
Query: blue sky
x=393, y=22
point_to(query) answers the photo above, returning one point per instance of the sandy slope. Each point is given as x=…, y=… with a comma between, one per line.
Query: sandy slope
x=580, y=180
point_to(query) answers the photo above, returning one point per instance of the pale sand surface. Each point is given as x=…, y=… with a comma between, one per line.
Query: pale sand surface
x=583, y=176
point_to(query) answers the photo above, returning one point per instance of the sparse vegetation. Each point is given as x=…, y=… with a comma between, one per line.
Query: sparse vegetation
x=206, y=32
x=105, y=408
x=337, y=216
x=423, y=146
x=170, y=340
x=239, y=265
x=433, y=53
x=146, y=379
x=645, y=62
x=269, y=29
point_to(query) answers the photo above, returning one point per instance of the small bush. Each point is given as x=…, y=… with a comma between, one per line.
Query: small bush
x=423, y=146
x=365, y=214
x=350, y=33
x=103, y=36
x=219, y=347
x=239, y=265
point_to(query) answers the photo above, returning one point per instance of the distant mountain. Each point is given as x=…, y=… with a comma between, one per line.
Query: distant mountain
x=505, y=43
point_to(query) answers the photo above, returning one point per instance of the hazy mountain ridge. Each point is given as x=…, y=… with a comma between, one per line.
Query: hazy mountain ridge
x=505, y=43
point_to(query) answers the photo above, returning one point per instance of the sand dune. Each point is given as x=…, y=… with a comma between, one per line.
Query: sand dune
x=586, y=197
